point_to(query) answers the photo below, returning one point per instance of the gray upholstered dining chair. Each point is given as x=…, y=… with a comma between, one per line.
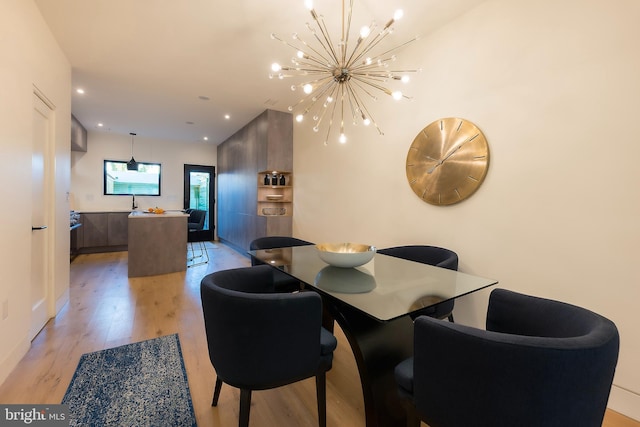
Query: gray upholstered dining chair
x=259, y=339
x=432, y=255
x=282, y=281
x=539, y=363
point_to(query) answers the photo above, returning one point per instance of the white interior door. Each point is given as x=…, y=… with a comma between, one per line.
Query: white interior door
x=41, y=293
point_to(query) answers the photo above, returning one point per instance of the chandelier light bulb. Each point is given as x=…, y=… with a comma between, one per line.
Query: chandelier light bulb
x=300, y=54
x=366, y=121
x=398, y=14
x=308, y=4
x=364, y=32
x=308, y=88
x=405, y=79
x=275, y=67
x=397, y=95
x=299, y=118
x=343, y=138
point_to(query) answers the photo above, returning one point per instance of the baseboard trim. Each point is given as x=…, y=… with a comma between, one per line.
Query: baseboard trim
x=62, y=301
x=11, y=361
x=625, y=402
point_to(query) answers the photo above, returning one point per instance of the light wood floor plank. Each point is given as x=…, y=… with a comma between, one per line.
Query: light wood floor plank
x=107, y=309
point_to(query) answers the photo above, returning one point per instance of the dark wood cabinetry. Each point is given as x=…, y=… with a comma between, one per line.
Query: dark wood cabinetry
x=265, y=144
x=94, y=229
x=117, y=228
x=102, y=232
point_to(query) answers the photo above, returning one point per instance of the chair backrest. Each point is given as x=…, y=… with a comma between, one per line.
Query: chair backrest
x=432, y=255
x=258, y=339
x=540, y=363
x=271, y=242
x=196, y=219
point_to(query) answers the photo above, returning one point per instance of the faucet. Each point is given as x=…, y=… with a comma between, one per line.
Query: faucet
x=133, y=202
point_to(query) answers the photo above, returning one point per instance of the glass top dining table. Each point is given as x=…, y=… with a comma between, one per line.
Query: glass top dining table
x=374, y=305
x=385, y=288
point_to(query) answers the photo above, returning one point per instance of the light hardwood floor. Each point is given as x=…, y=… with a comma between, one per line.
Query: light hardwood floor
x=107, y=309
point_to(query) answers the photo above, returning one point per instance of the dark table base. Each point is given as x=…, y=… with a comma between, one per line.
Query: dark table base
x=378, y=347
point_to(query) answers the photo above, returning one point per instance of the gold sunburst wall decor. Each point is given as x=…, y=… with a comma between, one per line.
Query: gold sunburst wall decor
x=338, y=78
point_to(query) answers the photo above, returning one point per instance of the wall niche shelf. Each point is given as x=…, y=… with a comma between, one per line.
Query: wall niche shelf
x=275, y=193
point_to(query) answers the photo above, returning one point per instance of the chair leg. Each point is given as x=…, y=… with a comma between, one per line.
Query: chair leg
x=202, y=249
x=216, y=392
x=413, y=420
x=451, y=317
x=321, y=396
x=206, y=254
x=245, y=406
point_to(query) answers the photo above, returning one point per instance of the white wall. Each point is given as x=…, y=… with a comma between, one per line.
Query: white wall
x=30, y=58
x=87, y=176
x=554, y=86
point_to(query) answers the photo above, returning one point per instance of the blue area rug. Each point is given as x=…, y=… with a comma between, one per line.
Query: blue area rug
x=140, y=384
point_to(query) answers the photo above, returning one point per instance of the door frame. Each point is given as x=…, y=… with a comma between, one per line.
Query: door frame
x=203, y=235
x=45, y=309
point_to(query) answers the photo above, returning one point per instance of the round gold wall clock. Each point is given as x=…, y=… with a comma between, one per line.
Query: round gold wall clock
x=447, y=161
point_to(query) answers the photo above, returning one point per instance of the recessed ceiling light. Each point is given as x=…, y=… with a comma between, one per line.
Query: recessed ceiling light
x=80, y=91
x=227, y=117
x=206, y=138
x=100, y=125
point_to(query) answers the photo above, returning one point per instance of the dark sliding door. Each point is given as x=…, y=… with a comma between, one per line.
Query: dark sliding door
x=199, y=186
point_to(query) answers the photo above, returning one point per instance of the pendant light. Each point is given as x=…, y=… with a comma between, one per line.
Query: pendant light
x=132, y=165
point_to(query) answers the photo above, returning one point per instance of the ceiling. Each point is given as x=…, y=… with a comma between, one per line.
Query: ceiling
x=146, y=65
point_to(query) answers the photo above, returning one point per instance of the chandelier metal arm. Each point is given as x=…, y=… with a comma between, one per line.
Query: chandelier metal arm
x=376, y=86
x=365, y=111
x=327, y=59
x=359, y=44
x=333, y=110
x=325, y=84
x=345, y=36
x=380, y=56
x=368, y=46
x=297, y=48
x=313, y=62
x=327, y=45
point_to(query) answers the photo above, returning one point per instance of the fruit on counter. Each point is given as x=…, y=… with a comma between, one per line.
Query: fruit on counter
x=150, y=209
x=158, y=210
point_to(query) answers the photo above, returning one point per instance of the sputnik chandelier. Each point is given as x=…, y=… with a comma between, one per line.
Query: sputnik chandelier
x=341, y=79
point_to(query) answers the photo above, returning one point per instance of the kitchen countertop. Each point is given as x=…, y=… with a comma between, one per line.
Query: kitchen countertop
x=145, y=214
x=103, y=211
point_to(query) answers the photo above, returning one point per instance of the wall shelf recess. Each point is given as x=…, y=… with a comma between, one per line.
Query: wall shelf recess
x=275, y=193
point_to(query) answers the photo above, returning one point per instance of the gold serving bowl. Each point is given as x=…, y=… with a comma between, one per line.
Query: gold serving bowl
x=345, y=255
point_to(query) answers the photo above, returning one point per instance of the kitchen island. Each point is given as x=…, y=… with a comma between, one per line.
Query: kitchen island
x=157, y=243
